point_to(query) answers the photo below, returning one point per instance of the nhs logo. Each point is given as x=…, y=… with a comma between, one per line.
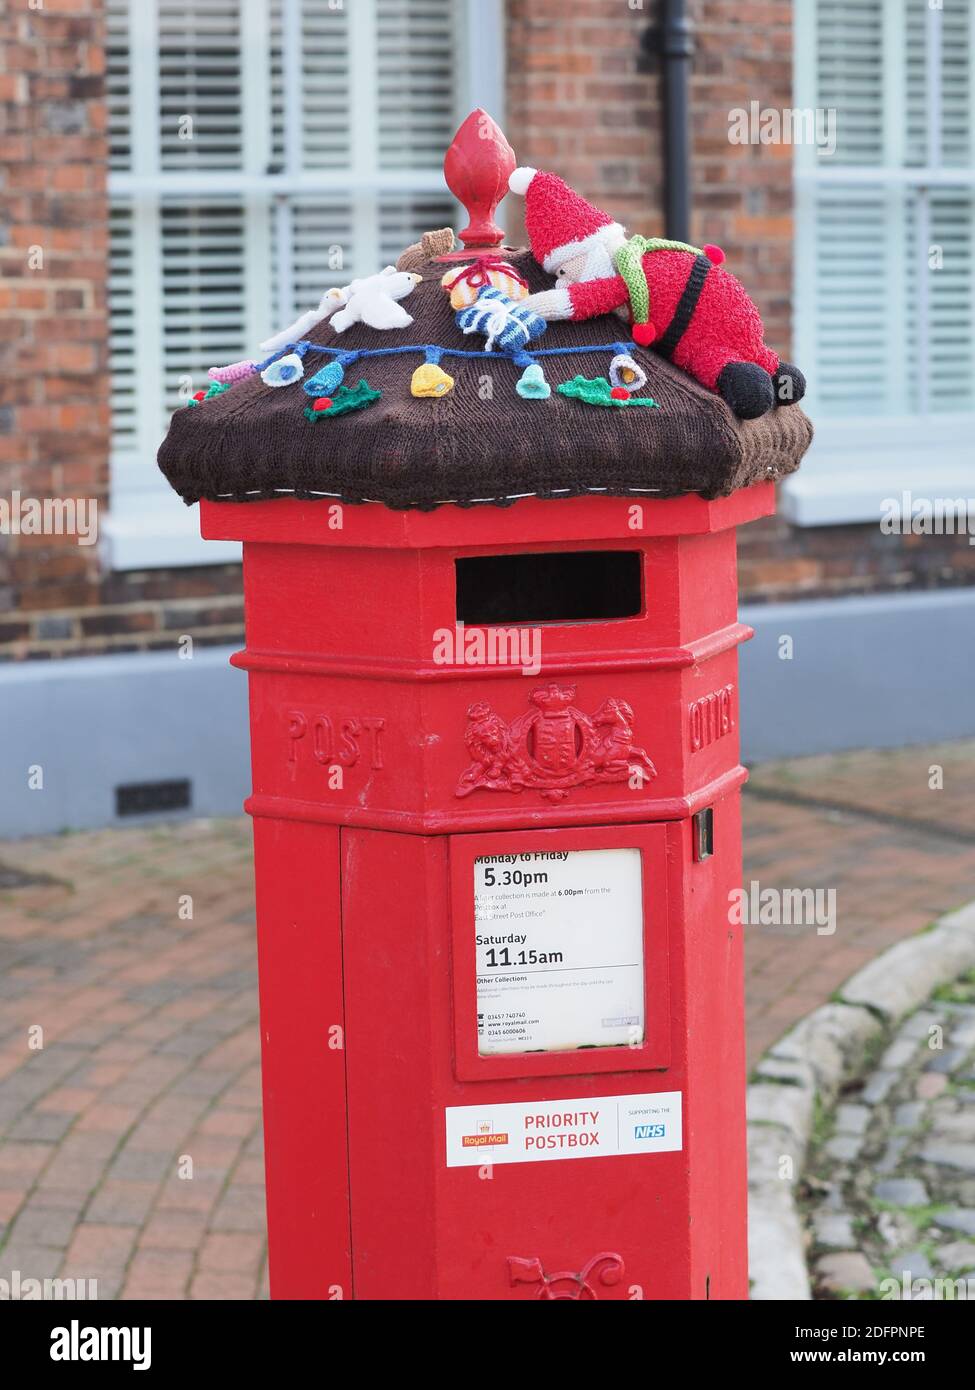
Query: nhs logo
x=649, y=1131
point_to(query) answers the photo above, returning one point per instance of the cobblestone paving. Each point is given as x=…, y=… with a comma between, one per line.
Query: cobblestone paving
x=890, y=1193
x=149, y=1016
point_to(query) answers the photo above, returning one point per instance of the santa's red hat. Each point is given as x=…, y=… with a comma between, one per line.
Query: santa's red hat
x=560, y=224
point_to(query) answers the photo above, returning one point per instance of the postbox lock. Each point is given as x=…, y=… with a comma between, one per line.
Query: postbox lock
x=703, y=831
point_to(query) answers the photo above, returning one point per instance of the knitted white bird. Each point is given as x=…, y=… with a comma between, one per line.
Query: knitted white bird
x=371, y=300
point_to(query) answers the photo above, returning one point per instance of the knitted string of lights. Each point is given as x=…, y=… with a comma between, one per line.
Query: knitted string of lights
x=519, y=356
x=429, y=379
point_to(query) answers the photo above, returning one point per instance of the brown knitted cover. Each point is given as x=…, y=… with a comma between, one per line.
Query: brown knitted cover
x=254, y=442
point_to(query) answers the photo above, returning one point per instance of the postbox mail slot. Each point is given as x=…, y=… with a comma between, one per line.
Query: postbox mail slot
x=549, y=587
x=560, y=952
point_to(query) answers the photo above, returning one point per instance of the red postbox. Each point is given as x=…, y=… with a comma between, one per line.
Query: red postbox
x=496, y=811
x=387, y=790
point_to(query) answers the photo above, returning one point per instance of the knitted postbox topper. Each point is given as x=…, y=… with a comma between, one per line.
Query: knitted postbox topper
x=524, y=387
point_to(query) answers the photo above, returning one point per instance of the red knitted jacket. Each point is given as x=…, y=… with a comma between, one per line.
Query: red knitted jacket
x=725, y=327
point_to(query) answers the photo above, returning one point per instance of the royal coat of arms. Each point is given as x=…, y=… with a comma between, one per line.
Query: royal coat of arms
x=553, y=747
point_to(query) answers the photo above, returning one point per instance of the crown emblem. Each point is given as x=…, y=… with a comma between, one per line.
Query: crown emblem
x=553, y=697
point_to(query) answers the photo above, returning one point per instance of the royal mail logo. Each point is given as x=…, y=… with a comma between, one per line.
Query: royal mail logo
x=649, y=1131
x=485, y=1135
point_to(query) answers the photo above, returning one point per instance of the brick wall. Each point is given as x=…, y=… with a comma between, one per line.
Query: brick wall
x=582, y=101
x=55, y=599
x=577, y=104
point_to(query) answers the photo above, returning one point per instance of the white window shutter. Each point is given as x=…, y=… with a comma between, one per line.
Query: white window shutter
x=886, y=343
x=417, y=42
x=200, y=87
x=261, y=151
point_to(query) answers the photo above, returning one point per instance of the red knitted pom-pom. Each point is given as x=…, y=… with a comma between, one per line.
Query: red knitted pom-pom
x=620, y=393
x=644, y=333
x=322, y=403
x=714, y=253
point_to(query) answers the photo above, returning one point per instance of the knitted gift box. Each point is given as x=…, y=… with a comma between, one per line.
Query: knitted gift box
x=483, y=441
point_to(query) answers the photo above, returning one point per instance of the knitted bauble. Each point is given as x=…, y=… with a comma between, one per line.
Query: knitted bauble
x=326, y=380
x=431, y=380
x=625, y=371
x=531, y=385
x=559, y=222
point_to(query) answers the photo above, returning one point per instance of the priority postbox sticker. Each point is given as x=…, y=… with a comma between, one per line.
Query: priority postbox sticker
x=595, y=1127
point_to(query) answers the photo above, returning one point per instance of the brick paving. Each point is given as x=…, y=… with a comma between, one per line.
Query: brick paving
x=130, y=1142
x=900, y=854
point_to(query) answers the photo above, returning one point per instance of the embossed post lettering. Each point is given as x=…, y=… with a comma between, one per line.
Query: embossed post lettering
x=337, y=741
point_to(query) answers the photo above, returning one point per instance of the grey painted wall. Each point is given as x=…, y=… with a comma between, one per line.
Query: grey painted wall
x=872, y=672
x=96, y=722
x=865, y=673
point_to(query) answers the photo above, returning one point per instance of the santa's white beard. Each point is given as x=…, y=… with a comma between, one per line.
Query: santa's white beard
x=599, y=263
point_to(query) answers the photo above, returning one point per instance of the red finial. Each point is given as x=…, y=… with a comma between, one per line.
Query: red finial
x=476, y=167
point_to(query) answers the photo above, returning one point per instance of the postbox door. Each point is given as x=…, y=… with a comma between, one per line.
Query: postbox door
x=480, y=1168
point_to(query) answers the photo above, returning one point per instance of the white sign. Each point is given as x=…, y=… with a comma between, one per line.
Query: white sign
x=559, y=939
x=597, y=1127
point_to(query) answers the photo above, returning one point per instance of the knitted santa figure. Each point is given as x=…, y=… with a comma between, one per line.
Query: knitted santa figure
x=678, y=301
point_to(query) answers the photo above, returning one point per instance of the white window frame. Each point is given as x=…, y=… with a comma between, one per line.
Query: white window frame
x=158, y=530
x=854, y=464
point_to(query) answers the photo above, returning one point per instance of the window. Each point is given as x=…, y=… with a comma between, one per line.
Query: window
x=261, y=150
x=885, y=254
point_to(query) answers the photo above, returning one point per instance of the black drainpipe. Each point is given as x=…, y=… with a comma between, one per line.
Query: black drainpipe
x=673, y=40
